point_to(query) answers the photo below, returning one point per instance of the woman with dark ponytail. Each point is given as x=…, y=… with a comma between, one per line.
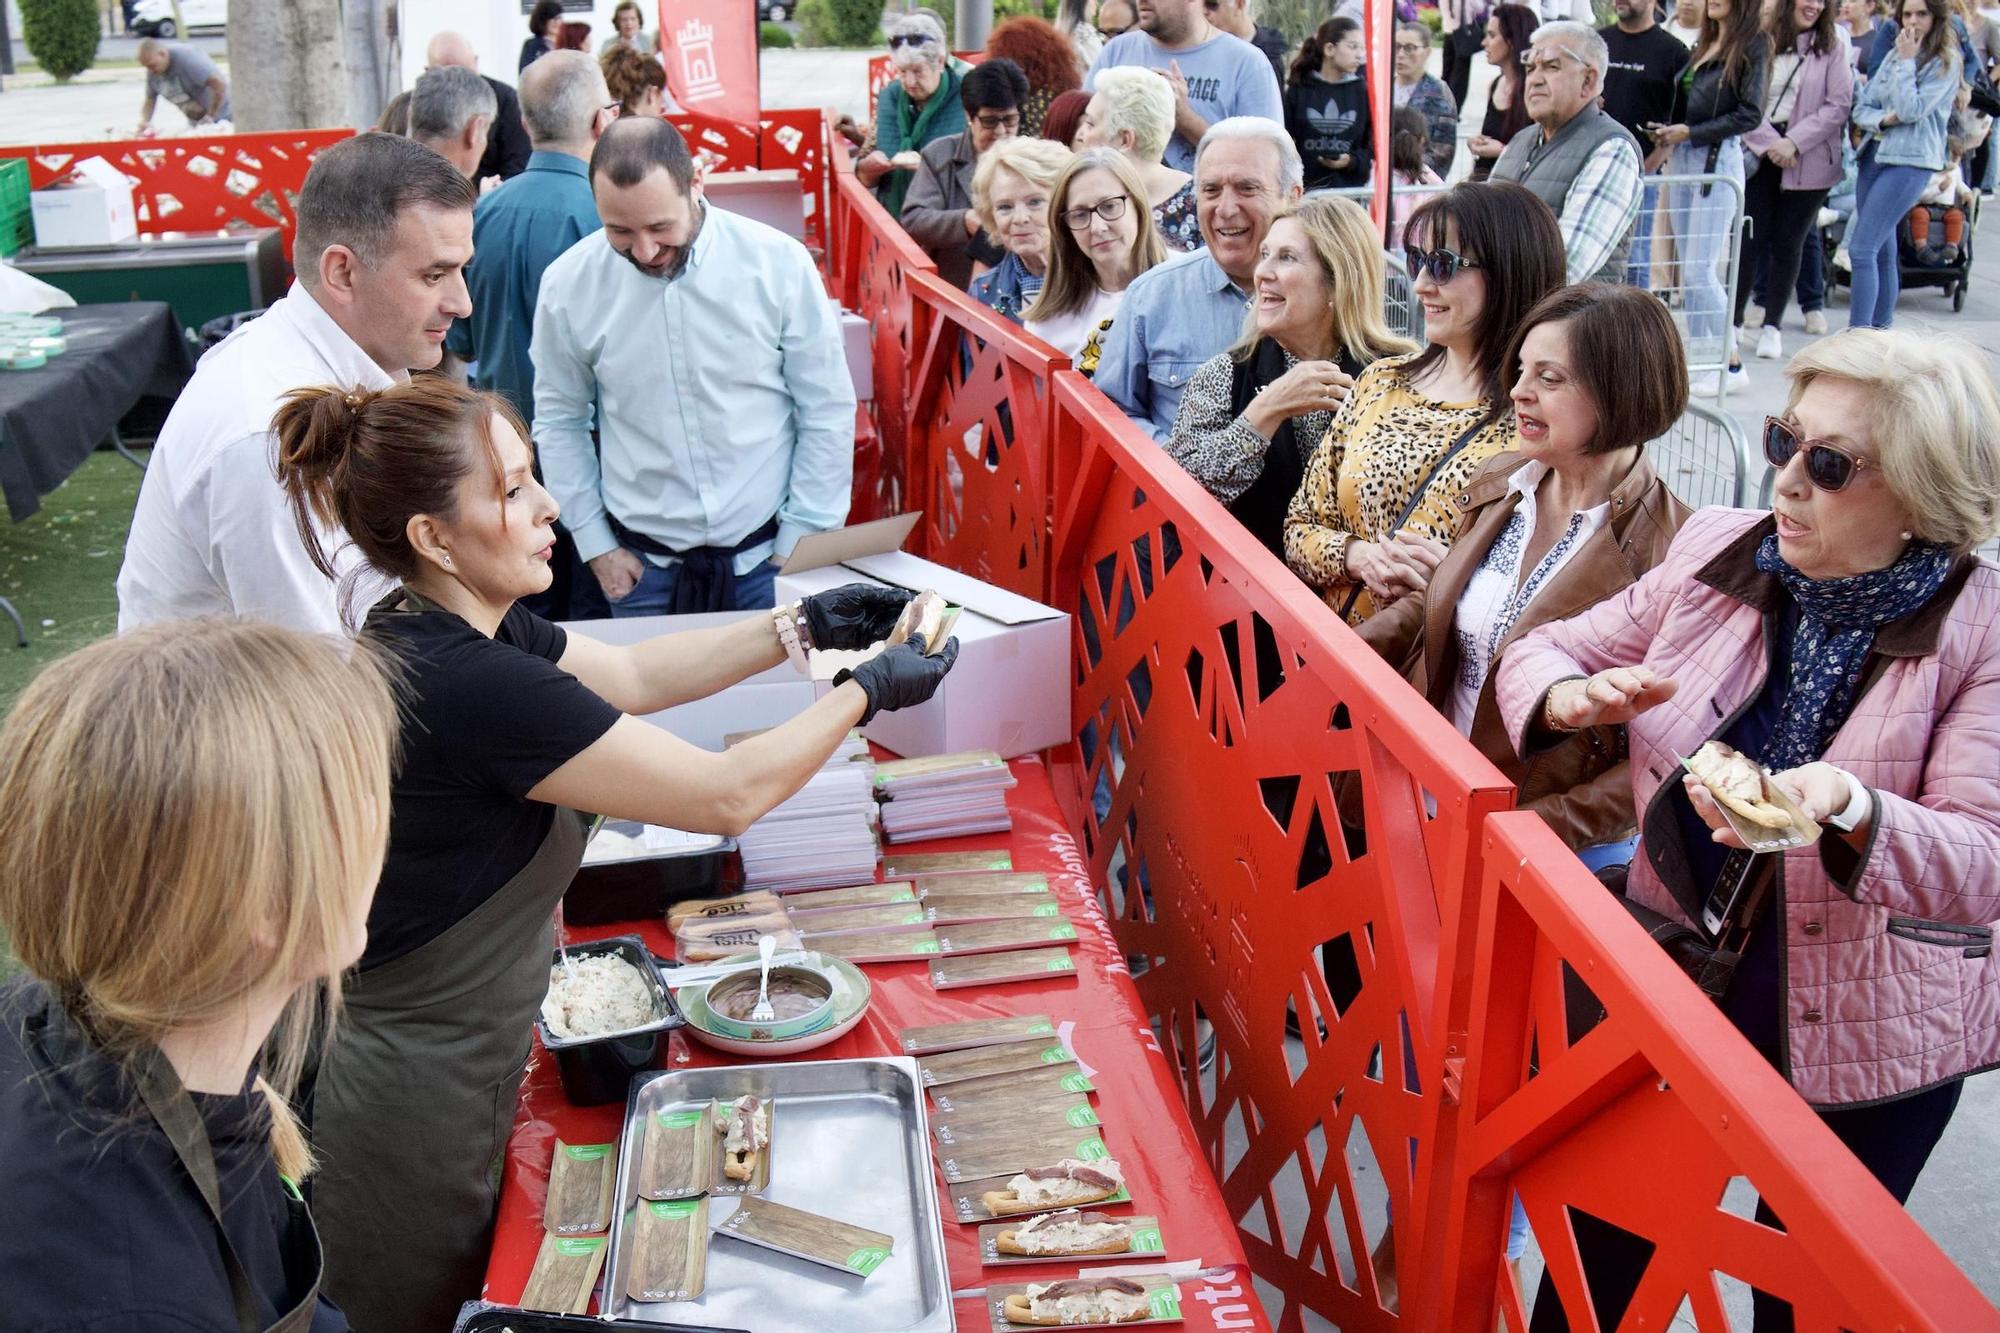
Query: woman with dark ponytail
x=510, y=725
x=1326, y=107
x=1510, y=31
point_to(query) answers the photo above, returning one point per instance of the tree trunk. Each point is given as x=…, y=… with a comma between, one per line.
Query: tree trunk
x=374, y=59
x=286, y=67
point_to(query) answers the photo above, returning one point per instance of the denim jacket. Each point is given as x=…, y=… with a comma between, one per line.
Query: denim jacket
x=1921, y=99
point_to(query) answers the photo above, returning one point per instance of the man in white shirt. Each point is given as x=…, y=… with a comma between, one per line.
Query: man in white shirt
x=704, y=348
x=384, y=235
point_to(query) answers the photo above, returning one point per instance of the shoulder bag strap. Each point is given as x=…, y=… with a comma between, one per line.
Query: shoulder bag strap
x=174, y=1110
x=1417, y=498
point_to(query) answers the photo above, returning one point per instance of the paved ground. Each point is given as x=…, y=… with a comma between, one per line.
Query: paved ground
x=1956, y=1201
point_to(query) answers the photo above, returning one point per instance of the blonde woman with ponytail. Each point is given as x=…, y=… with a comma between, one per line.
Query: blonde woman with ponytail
x=194, y=816
x=510, y=725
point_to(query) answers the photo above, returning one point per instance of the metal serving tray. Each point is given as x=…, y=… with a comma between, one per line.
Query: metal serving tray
x=849, y=1141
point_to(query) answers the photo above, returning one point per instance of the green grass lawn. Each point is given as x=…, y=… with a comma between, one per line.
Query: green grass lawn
x=60, y=568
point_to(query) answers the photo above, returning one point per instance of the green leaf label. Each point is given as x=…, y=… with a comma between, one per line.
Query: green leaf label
x=1048, y=909
x=1041, y=1027
x=586, y=1152
x=1062, y=964
x=924, y=946
x=1079, y=1116
x=579, y=1245
x=1091, y=1150
x=1163, y=1303
x=1055, y=1055
x=1076, y=1083
x=911, y=916
x=867, y=1260
x=679, y=1119
x=1148, y=1241
x=1063, y=932
x=673, y=1208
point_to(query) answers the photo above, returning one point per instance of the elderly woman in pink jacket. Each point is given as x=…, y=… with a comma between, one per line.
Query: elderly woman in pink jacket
x=1850, y=642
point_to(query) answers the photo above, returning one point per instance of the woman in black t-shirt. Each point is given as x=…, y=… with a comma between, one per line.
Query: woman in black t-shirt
x=510, y=724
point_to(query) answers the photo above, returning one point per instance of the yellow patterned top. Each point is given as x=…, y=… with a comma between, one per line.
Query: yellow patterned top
x=1383, y=443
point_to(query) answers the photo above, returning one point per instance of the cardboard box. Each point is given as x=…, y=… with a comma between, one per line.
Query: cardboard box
x=764, y=700
x=91, y=206
x=1010, y=689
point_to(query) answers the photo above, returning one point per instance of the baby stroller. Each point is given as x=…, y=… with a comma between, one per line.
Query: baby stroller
x=1951, y=277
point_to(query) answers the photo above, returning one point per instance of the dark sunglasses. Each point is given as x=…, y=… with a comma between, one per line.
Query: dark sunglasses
x=1443, y=264
x=908, y=39
x=1828, y=466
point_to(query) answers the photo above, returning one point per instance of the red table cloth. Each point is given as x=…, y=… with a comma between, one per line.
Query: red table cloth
x=1095, y=1009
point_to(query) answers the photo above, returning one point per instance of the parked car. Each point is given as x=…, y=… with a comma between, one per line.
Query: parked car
x=173, y=18
x=773, y=11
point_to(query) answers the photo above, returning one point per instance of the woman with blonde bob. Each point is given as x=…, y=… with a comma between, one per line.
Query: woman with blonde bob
x=1099, y=242
x=1251, y=415
x=1010, y=193
x=1132, y=110
x=1848, y=642
x=511, y=724
x=194, y=816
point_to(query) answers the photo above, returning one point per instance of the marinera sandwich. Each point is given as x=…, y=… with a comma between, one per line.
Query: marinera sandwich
x=1066, y=1232
x=1091, y=1300
x=1066, y=1184
x=1737, y=782
x=745, y=1126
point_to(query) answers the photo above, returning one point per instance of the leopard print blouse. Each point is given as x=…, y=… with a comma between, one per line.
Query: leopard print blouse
x=1383, y=443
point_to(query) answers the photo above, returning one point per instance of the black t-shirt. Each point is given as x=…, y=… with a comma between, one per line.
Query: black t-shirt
x=1639, y=83
x=105, y=1230
x=484, y=720
x=1331, y=120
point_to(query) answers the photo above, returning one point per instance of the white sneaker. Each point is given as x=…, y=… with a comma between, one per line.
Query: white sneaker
x=1770, y=345
x=1705, y=383
x=1753, y=314
x=1815, y=322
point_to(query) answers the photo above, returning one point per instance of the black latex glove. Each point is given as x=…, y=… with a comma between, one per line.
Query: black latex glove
x=854, y=615
x=901, y=676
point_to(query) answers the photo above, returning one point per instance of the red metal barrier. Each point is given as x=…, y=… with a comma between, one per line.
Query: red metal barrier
x=1217, y=706
x=798, y=141
x=1644, y=1123
x=979, y=425
x=198, y=182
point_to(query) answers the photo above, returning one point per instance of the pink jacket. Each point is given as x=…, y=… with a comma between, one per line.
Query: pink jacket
x=1819, y=117
x=1890, y=980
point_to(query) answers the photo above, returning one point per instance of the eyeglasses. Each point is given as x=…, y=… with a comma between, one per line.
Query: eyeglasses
x=1411, y=48
x=1828, y=466
x=1443, y=264
x=909, y=39
x=613, y=109
x=1077, y=219
x=1010, y=121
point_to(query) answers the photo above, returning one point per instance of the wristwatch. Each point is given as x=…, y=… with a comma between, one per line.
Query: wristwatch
x=1859, y=802
x=788, y=619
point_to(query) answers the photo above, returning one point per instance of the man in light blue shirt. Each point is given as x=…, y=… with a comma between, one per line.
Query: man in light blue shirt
x=707, y=350
x=1214, y=74
x=1180, y=314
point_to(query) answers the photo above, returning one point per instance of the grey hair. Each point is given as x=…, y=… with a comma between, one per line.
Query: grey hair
x=1138, y=100
x=561, y=95
x=359, y=187
x=1256, y=129
x=446, y=100
x=1580, y=40
x=931, y=52
x=150, y=46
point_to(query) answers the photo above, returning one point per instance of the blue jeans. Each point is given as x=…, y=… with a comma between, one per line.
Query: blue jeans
x=1882, y=199
x=653, y=594
x=1639, y=265
x=1702, y=232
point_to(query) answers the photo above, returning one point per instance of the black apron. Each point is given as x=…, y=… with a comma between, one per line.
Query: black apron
x=416, y=1094
x=1261, y=508
x=175, y=1112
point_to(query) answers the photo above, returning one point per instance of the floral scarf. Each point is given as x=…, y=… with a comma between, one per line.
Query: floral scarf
x=1837, y=623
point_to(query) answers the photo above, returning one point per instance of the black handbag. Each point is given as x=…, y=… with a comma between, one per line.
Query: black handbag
x=1710, y=965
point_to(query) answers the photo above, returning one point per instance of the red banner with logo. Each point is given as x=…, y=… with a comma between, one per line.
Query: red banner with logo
x=710, y=50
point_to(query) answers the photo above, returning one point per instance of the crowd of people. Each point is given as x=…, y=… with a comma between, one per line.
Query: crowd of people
x=586, y=390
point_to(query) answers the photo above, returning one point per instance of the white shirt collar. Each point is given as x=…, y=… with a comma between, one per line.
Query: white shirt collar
x=319, y=331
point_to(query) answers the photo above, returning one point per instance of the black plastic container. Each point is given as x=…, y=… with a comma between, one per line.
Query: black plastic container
x=641, y=888
x=597, y=1070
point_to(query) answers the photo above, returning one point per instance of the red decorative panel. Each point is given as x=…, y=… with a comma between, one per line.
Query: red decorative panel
x=737, y=147
x=1218, y=708
x=979, y=441
x=798, y=141
x=199, y=182
x=1657, y=1121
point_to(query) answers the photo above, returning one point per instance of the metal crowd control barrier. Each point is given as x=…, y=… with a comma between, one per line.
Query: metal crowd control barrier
x=1221, y=717
x=1705, y=459
x=1641, y=1123
x=1688, y=222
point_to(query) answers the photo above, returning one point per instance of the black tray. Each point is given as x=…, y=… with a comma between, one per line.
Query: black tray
x=597, y=1070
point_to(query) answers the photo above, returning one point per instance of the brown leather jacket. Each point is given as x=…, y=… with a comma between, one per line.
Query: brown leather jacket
x=1581, y=787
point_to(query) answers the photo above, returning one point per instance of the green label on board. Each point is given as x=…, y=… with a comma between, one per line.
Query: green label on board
x=1061, y=964
x=673, y=1208
x=1055, y=1055
x=924, y=946
x=1076, y=1083
x=1091, y=1150
x=1079, y=1116
x=586, y=1152
x=1048, y=909
x=575, y=1245
x=1041, y=1027
x=1148, y=1241
x=867, y=1260
x=1063, y=932
x=679, y=1119
x=1163, y=1303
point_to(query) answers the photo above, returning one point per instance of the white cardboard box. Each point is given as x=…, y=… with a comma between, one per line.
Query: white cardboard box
x=764, y=700
x=1009, y=690
x=92, y=206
